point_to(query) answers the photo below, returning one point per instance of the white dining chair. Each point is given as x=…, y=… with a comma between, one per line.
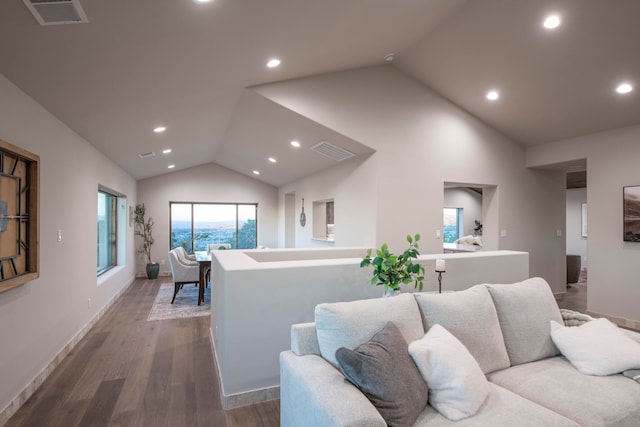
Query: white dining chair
x=182, y=273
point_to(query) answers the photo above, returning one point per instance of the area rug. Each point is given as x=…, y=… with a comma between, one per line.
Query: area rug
x=185, y=305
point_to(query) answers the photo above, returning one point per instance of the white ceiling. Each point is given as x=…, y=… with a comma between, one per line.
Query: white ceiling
x=142, y=63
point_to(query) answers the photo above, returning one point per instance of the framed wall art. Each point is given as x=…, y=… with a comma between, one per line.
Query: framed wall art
x=19, y=216
x=584, y=220
x=631, y=213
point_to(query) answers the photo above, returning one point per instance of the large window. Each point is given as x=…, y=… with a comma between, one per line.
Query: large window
x=452, y=224
x=196, y=225
x=107, y=231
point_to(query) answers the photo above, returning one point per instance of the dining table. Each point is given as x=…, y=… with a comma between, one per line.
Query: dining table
x=204, y=264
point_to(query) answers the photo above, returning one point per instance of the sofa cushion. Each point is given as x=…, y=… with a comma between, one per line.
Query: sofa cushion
x=502, y=408
x=383, y=370
x=349, y=324
x=597, y=347
x=524, y=311
x=471, y=317
x=589, y=400
x=457, y=385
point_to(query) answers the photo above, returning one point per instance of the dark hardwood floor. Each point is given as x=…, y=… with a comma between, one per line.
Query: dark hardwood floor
x=130, y=372
x=576, y=297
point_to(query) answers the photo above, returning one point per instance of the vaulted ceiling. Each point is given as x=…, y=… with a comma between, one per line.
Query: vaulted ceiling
x=186, y=65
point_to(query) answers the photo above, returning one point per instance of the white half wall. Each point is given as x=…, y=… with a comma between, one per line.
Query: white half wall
x=421, y=142
x=205, y=183
x=38, y=319
x=258, y=295
x=612, y=163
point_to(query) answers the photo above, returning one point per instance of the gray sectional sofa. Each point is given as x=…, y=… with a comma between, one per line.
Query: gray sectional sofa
x=506, y=328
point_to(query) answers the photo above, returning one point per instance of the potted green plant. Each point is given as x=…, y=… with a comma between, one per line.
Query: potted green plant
x=391, y=270
x=144, y=228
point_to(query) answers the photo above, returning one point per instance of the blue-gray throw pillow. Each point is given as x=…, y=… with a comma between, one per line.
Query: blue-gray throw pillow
x=384, y=371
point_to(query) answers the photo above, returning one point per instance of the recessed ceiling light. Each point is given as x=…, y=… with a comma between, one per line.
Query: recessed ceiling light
x=159, y=129
x=167, y=151
x=171, y=166
x=273, y=63
x=551, y=22
x=256, y=172
x=202, y=1
x=389, y=57
x=492, y=95
x=624, y=88
x=295, y=144
x=272, y=160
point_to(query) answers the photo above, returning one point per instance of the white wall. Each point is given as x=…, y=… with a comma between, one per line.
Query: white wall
x=612, y=162
x=471, y=204
x=205, y=183
x=39, y=318
x=576, y=244
x=351, y=184
x=422, y=141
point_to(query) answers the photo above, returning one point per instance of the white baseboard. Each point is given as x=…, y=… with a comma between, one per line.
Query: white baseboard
x=620, y=321
x=37, y=381
x=241, y=399
x=142, y=274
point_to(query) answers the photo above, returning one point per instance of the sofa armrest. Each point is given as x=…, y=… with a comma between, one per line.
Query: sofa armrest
x=315, y=394
x=304, y=339
x=634, y=335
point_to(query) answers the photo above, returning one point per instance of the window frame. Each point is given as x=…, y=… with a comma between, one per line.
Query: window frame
x=112, y=236
x=459, y=223
x=192, y=217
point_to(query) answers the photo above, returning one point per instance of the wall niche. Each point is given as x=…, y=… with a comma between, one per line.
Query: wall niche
x=323, y=220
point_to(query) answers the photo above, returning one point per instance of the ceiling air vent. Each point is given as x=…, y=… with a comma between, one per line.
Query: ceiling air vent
x=145, y=155
x=332, y=151
x=54, y=12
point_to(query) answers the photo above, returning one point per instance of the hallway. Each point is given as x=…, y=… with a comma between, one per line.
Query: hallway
x=128, y=371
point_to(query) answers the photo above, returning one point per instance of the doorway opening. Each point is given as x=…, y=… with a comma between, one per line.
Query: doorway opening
x=290, y=220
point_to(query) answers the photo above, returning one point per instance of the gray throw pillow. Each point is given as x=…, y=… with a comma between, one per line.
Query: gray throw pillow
x=384, y=371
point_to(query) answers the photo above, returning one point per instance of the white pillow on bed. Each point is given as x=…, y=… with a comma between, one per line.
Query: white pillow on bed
x=597, y=347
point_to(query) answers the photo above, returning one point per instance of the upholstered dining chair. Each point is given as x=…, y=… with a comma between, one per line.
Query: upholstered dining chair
x=186, y=257
x=182, y=273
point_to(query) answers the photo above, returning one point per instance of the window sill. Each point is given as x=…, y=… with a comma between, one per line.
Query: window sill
x=318, y=239
x=107, y=275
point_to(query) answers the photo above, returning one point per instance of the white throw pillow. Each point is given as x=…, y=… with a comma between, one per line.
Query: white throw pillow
x=597, y=347
x=457, y=386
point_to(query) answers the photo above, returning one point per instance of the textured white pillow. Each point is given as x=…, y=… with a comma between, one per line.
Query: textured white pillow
x=597, y=347
x=457, y=386
x=524, y=311
x=349, y=324
x=471, y=317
